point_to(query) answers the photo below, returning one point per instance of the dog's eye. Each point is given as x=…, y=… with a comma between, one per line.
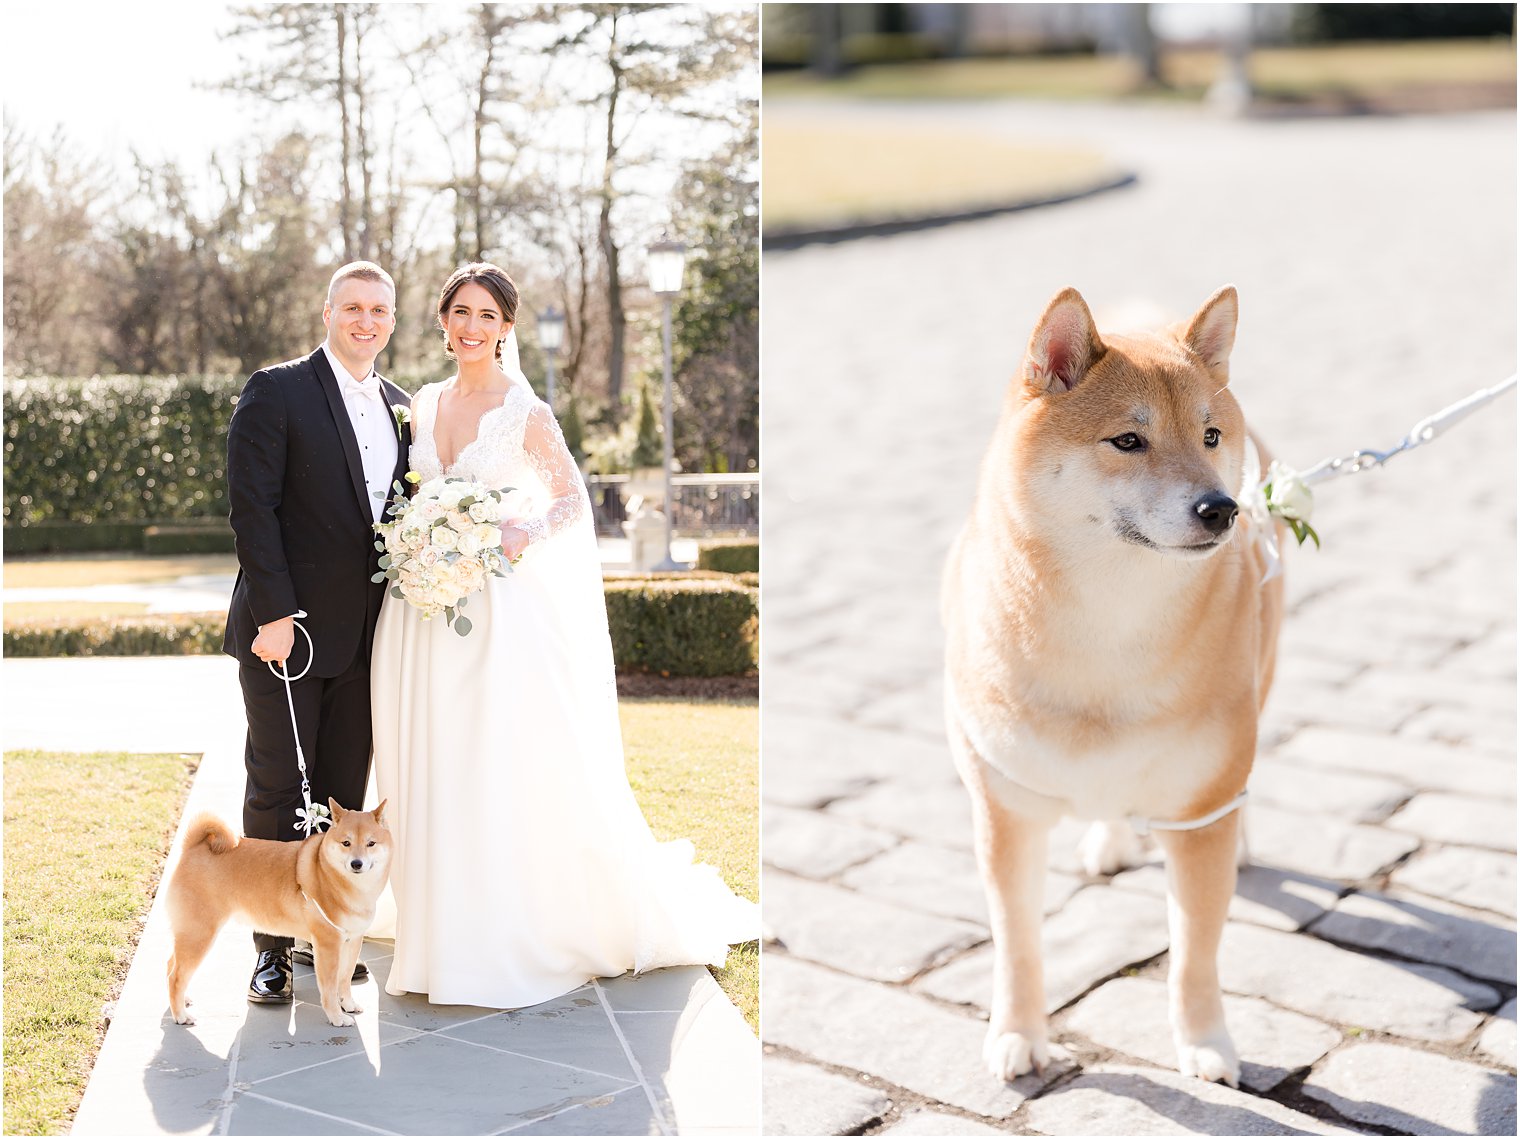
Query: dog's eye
x=1129, y=441
x=1211, y=437
x=347, y=843
x=371, y=842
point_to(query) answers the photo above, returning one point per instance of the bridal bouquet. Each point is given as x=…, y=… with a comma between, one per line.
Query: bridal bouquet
x=441, y=544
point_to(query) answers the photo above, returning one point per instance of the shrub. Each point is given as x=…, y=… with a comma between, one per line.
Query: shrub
x=67, y=537
x=682, y=628
x=164, y=634
x=729, y=557
x=674, y=627
x=117, y=448
x=214, y=537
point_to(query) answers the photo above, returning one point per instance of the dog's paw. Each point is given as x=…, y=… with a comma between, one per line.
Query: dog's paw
x=1108, y=848
x=350, y=1005
x=340, y=1020
x=184, y=1018
x=1009, y=1055
x=1214, y=1060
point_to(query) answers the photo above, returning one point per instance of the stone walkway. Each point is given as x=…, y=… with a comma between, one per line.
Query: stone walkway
x=664, y=1053
x=1370, y=959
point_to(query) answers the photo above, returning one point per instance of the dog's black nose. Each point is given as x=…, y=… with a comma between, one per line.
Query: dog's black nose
x=358, y=863
x=1216, y=512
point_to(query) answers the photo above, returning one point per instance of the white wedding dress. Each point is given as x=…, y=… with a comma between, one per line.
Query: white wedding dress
x=523, y=866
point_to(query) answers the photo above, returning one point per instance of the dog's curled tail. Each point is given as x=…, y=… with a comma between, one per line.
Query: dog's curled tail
x=207, y=828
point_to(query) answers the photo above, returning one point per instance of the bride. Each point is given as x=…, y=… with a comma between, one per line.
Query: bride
x=523, y=865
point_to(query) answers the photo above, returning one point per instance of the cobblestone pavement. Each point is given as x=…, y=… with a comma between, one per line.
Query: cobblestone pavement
x=1370, y=957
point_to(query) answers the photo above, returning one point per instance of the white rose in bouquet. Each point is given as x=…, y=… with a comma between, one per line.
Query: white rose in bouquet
x=440, y=545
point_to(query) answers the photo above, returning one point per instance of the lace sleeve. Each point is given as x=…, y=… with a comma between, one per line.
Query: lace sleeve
x=544, y=447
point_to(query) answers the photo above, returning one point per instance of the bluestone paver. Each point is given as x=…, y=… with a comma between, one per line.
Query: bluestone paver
x=858, y=934
x=816, y=844
x=1497, y=1044
x=1129, y=1015
x=804, y=1100
x=922, y=1121
x=1425, y=1002
x=1099, y=932
x=1465, y=819
x=897, y=1036
x=1426, y=930
x=1416, y=1093
x=1117, y=1100
x=1482, y=879
x=1264, y=895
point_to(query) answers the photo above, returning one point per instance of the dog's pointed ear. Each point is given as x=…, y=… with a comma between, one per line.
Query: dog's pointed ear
x=337, y=811
x=1065, y=345
x=378, y=811
x=1210, y=334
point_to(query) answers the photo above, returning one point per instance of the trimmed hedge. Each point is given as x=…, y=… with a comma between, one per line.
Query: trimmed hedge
x=676, y=627
x=212, y=539
x=202, y=536
x=740, y=556
x=162, y=634
x=73, y=537
x=117, y=448
x=682, y=628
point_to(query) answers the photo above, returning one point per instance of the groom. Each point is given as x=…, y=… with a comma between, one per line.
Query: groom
x=311, y=443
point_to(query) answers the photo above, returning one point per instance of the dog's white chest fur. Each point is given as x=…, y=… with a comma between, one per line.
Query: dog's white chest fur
x=1151, y=769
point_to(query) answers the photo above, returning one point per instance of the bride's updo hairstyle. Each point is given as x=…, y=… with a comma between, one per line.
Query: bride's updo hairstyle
x=489, y=277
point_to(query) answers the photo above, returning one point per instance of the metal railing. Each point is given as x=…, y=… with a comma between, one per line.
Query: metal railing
x=707, y=506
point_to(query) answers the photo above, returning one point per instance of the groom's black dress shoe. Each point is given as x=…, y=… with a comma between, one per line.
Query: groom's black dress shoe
x=271, y=978
x=301, y=955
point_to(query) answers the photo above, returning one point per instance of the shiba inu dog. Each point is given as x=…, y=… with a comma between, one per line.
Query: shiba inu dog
x=322, y=889
x=1109, y=646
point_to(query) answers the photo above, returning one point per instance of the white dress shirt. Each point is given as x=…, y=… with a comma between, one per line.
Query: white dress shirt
x=374, y=427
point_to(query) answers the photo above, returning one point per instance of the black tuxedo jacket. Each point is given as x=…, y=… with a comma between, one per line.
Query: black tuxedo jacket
x=301, y=515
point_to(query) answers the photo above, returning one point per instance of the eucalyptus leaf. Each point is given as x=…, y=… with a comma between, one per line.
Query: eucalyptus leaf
x=377, y=577
x=396, y=593
x=462, y=626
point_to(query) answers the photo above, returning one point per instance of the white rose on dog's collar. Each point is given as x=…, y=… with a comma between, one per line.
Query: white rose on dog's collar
x=1288, y=496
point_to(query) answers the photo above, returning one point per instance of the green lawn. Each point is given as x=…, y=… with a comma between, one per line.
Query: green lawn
x=72, y=916
x=695, y=769
x=824, y=174
x=85, y=841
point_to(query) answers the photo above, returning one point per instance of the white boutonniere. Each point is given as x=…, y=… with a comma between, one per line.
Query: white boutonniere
x=1288, y=496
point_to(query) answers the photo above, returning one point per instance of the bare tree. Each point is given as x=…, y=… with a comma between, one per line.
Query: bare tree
x=653, y=55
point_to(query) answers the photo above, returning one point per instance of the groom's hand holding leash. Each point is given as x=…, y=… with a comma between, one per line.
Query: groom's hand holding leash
x=275, y=640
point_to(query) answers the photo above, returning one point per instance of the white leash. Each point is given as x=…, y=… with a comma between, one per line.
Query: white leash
x=1286, y=493
x=1420, y=434
x=308, y=818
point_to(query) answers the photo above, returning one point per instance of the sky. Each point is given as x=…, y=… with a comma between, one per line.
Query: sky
x=114, y=78
x=141, y=78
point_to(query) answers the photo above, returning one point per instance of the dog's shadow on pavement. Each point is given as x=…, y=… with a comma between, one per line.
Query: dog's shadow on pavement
x=190, y=1086
x=1493, y=1111
x=1192, y=1116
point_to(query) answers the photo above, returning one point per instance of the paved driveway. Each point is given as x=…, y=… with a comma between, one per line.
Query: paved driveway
x=1371, y=954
